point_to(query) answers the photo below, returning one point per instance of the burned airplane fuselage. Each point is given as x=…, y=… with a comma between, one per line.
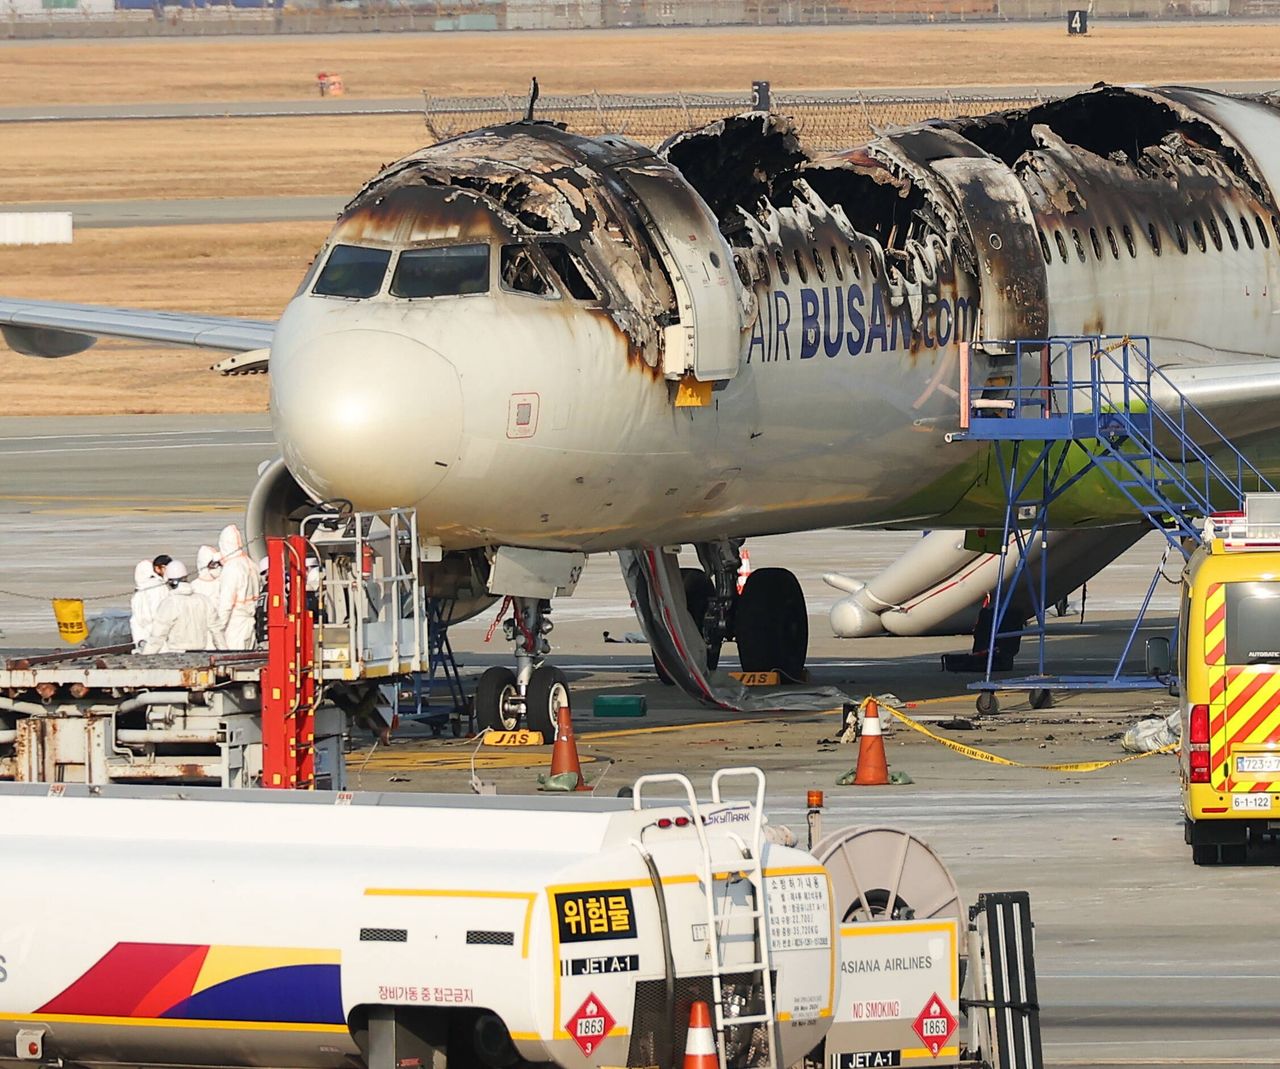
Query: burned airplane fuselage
x=582, y=344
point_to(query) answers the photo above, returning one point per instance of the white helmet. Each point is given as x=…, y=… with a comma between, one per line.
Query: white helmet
x=175, y=571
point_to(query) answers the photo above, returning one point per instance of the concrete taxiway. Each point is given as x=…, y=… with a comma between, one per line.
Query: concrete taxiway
x=1143, y=958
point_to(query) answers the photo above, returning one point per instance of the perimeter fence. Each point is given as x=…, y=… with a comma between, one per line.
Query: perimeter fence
x=825, y=123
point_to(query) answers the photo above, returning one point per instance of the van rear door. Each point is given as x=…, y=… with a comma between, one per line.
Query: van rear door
x=1242, y=643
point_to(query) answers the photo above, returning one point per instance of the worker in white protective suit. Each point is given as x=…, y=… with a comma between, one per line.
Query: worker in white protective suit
x=208, y=577
x=238, y=590
x=185, y=619
x=150, y=591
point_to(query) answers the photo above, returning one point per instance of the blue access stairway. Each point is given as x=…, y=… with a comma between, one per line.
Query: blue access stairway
x=1061, y=408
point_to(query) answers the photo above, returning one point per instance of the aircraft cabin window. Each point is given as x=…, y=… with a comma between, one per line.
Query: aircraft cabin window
x=1275, y=226
x=804, y=275
x=782, y=266
x=571, y=272
x=1097, y=245
x=744, y=273
x=1061, y=243
x=1128, y=240
x=521, y=274
x=1262, y=231
x=835, y=263
x=762, y=262
x=442, y=271
x=1111, y=240
x=853, y=263
x=1044, y=248
x=1231, y=231
x=1075, y=236
x=1215, y=233
x=1182, y=237
x=1153, y=235
x=1246, y=231
x=353, y=271
x=817, y=263
x=1197, y=232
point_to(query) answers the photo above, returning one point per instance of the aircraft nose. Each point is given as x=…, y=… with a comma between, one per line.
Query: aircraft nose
x=370, y=416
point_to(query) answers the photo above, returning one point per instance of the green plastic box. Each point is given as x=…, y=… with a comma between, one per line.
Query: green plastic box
x=620, y=705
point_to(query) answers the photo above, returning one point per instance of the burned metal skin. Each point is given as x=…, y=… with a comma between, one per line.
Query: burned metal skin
x=548, y=421
x=833, y=349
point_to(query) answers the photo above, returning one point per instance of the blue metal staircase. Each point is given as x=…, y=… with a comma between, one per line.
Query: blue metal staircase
x=1102, y=403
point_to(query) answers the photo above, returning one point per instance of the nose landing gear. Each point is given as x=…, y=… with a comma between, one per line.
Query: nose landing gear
x=535, y=691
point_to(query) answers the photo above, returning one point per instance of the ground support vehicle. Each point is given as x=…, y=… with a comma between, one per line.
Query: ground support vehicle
x=1229, y=678
x=277, y=717
x=484, y=931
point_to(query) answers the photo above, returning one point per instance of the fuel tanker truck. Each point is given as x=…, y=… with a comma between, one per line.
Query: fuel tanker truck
x=149, y=926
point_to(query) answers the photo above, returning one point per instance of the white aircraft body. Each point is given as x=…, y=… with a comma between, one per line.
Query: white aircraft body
x=554, y=346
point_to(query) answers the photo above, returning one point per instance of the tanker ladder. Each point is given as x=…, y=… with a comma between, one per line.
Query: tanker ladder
x=1056, y=410
x=748, y=867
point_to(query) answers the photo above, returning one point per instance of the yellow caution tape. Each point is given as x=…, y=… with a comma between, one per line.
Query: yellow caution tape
x=994, y=759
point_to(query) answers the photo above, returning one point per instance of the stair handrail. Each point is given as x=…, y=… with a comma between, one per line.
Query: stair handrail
x=1188, y=445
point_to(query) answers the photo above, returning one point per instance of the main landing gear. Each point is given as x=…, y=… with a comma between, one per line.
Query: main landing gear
x=535, y=691
x=768, y=620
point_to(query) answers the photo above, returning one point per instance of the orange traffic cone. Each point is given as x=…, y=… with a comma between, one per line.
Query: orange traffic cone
x=700, y=1046
x=564, y=754
x=744, y=569
x=873, y=766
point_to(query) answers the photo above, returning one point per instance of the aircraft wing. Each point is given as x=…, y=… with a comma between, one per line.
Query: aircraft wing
x=55, y=329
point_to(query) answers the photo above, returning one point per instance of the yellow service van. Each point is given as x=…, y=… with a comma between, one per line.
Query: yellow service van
x=1229, y=676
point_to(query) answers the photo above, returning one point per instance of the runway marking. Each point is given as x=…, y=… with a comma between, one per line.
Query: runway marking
x=122, y=498
x=128, y=434
x=143, y=510
x=140, y=448
x=454, y=762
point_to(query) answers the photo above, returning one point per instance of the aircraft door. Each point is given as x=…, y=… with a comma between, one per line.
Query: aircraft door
x=1013, y=286
x=710, y=339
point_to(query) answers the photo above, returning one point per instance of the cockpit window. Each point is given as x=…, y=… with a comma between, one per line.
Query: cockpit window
x=445, y=271
x=520, y=272
x=353, y=271
x=571, y=272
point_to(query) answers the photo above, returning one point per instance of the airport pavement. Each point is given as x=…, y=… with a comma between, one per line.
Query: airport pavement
x=1144, y=959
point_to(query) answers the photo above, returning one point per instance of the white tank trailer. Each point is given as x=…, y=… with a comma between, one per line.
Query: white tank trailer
x=325, y=930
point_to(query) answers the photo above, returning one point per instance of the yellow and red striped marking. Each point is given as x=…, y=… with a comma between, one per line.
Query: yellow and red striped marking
x=1252, y=717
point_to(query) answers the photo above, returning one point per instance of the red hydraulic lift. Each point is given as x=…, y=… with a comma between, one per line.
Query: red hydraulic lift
x=289, y=679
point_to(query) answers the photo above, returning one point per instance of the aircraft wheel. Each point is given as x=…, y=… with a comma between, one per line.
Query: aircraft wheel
x=772, y=624
x=663, y=678
x=496, y=708
x=698, y=592
x=547, y=691
x=987, y=703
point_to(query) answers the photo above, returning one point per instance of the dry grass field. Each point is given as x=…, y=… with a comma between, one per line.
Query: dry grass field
x=253, y=270
x=632, y=61
x=202, y=158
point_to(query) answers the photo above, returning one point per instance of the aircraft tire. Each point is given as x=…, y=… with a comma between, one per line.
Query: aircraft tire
x=772, y=624
x=496, y=688
x=548, y=689
x=698, y=592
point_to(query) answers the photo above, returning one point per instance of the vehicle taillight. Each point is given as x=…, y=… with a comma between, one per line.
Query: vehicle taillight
x=1198, y=740
x=1199, y=726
